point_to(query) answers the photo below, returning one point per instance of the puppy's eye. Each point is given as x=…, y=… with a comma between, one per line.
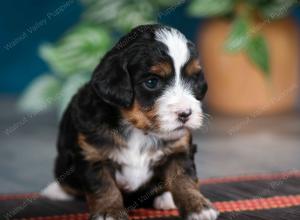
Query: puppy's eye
x=151, y=84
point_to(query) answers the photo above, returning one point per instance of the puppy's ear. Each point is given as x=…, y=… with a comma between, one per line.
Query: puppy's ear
x=111, y=81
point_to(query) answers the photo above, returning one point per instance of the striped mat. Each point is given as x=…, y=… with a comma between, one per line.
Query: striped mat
x=263, y=197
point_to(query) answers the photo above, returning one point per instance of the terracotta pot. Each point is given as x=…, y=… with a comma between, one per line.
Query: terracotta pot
x=237, y=86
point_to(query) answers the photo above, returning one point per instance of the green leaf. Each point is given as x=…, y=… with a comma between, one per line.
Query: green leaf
x=101, y=12
x=166, y=3
x=257, y=51
x=42, y=94
x=78, y=52
x=210, y=8
x=277, y=9
x=121, y=15
x=132, y=15
x=239, y=35
x=70, y=87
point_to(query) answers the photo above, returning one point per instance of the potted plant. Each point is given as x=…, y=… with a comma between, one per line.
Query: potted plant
x=72, y=58
x=250, y=52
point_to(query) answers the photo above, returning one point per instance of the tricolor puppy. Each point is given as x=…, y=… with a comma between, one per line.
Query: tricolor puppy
x=126, y=134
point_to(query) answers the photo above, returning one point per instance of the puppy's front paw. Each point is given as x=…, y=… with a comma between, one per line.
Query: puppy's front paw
x=205, y=214
x=164, y=201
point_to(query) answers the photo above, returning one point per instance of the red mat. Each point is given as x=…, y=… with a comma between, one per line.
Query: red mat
x=268, y=196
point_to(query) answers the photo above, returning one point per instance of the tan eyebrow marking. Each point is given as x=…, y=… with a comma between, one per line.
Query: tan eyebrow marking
x=162, y=69
x=192, y=67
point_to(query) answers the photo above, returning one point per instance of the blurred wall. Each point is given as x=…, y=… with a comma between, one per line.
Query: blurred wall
x=24, y=25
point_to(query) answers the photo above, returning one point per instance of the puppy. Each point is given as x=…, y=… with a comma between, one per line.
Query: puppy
x=126, y=134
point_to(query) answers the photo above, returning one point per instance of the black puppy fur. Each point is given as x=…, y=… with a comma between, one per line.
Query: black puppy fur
x=92, y=130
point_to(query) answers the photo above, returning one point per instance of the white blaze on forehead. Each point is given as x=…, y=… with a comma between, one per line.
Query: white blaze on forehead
x=178, y=96
x=177, y=47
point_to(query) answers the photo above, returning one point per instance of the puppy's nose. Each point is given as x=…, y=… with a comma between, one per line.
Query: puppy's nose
x=183, y=116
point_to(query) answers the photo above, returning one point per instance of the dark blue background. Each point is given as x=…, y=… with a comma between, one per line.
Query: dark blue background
x=19, y=65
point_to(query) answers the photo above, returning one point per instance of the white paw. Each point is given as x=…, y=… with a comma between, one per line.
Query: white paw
x=104, y=218
x=55, y=192
x=164, y=201
x=206, y=214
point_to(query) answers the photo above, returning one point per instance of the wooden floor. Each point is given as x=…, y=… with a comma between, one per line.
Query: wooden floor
x=226, y=146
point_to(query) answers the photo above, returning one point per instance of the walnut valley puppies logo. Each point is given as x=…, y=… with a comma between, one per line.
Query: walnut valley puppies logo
x=170, y=9
x=27, y=202
x=131, y=38
x=25, y=119
x=38, y=25
x=247, y=120
x=134, y=36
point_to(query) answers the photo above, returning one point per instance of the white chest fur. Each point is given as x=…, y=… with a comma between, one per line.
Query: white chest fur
x=142, y=150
